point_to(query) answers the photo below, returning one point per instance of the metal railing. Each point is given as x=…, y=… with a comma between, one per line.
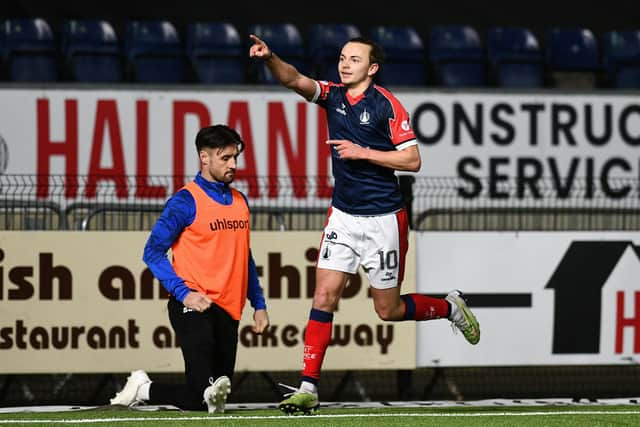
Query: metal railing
x=29, y=202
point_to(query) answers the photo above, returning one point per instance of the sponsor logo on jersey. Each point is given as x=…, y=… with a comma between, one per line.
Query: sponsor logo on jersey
x=228, y=224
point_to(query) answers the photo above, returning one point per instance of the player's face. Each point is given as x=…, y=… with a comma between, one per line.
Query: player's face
x=354, y=66
x=219, y=164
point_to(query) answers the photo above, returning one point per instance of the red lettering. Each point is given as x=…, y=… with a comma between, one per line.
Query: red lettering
x=239, y=120
x=324, y=157
x=107, y=119
x=297, y=163
x=68, y=148
x=143, y=189
x=632, y=322
x=180, y=111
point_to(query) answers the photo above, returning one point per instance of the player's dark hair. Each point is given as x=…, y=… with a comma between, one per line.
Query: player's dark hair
x=218, y=136
x=376, y=56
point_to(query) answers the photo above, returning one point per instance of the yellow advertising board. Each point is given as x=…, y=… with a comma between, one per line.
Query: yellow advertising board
x=85, y=302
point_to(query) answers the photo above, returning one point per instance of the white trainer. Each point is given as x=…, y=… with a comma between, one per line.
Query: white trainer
x=128, y=395
x=462, y=317
x=215, y=396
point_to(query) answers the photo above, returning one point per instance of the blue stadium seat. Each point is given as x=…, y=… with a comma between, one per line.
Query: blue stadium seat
x=2, y=49
x=3, y=67
x=572, y=57
x=515, y=57
x=325, y=43
x=30, y=53
x=216, y=53
x=404, y=55
x=91, y=51
x=285, y=40
x=621, y=58
x=457, y=56
x=154, y=52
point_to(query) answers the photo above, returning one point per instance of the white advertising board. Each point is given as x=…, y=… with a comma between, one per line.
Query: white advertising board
x=541, y=298
x=583, y=146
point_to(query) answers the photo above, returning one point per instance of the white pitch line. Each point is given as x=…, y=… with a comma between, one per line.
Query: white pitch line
x=272, y=417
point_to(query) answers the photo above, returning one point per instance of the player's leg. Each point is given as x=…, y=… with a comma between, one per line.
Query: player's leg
x=194, y=330
x=337, y=260
x=384, y=256
x=224, y=349
x=225, y=346
x=329, y=287
x=392, y=306
x=191, y=328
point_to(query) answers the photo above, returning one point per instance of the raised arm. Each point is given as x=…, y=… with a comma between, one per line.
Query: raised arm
x=284, y=72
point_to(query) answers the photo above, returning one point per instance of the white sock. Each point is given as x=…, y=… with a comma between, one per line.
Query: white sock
x=143, y=391
x=308, y=387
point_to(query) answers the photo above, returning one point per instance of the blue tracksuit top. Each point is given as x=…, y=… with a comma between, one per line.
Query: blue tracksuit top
x=179, y=212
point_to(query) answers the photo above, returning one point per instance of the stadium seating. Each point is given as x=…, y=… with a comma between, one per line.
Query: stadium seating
x=285, y=40
x=515, y=57
x=3, y=70
x=29, y=52
x=621, y=58
x=457, y=56
x=325, y=43
x=154, y=52
x=216, y=53
x=91, y=51
x=572, y=58
x=404, y=55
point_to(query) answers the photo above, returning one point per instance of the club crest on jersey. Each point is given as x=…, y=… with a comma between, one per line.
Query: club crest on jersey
x=405, y=125
x=364, y=117
x=342, y=110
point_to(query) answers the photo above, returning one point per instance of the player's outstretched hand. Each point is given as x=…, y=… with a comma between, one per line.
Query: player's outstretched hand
x=259, y=48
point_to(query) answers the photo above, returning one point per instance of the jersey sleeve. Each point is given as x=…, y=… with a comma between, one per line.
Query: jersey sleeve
x=400, y=127
x=254, y=291
x=323, y=93
x=178, y=213
x=400, y=130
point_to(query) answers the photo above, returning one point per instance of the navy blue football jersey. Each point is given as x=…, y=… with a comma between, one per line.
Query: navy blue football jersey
x=375, y=120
